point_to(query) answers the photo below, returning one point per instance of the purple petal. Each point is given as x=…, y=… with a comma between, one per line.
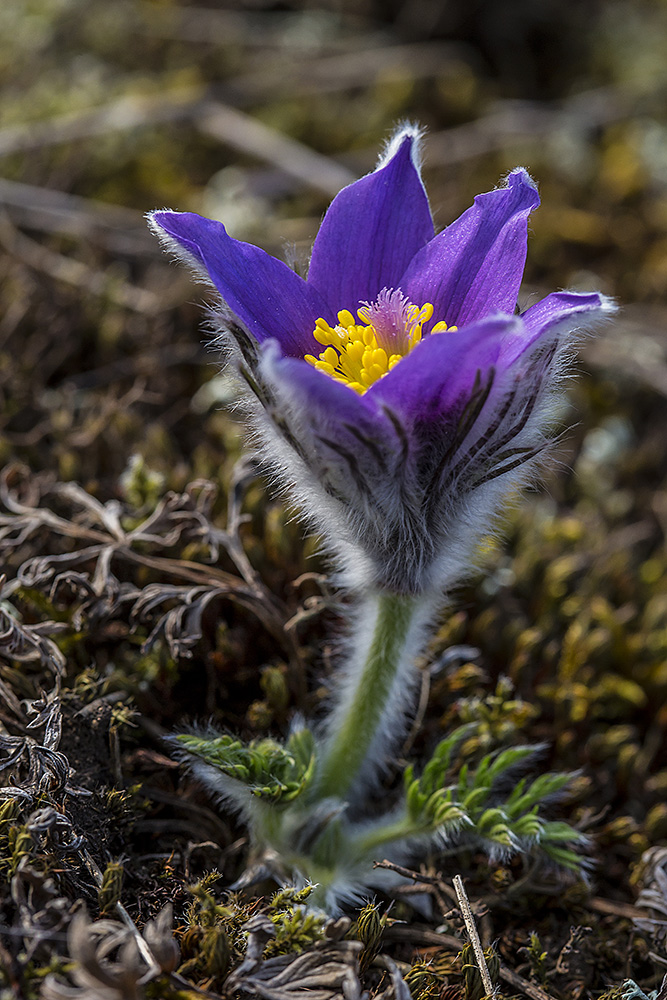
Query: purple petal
x=475, y=266
x=346, y=439
x=333, y=408
x=441, y=373
x=268, y=298
x=556, y=312
x=372, y=230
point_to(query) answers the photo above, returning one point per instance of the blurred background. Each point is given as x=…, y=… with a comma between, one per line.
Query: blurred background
x=256, y=113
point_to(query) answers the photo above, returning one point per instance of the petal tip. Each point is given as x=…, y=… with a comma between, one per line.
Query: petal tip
x=175, y=224
x=608, y=305
x=588, y=301
x=408, y=136
x=157, y=223
x=174, y=231
x=154, y=220
x=519, y=177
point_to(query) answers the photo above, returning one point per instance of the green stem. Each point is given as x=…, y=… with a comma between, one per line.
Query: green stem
x=364, y=703
x=383, y=836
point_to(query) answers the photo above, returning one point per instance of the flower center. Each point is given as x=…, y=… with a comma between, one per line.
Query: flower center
x=358, y=353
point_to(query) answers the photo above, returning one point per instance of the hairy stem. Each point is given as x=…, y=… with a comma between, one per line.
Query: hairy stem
x=374, y=694
x=384, y=835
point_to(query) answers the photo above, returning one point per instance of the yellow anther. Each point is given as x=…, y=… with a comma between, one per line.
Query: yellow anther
x=345, y=318
x=360, y=353
x=330, y=356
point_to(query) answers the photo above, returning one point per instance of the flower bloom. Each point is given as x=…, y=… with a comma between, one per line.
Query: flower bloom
x=396, y=393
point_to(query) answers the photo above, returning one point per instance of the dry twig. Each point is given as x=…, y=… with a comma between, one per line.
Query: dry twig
x=250, y=136
x=469, y=921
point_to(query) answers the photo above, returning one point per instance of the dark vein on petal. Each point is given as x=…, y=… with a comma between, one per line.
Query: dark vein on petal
x=352, y=463
x=470, y=414
x=496, y=472
x=244, y=341
x=370, y=445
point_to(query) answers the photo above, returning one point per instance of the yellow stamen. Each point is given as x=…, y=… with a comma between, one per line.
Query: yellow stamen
x=359, y=352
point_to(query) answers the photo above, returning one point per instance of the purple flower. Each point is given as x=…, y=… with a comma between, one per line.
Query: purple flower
x=395, y=392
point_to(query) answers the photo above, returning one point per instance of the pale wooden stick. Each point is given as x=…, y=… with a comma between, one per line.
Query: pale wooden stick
x=469, y=921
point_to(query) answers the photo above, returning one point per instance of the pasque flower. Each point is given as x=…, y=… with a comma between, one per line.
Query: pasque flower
x=399, y=397
x=397, y=393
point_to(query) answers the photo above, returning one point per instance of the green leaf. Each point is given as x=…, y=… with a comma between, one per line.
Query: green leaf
x=270, y=771
x=540, y=789
x=473, y=805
